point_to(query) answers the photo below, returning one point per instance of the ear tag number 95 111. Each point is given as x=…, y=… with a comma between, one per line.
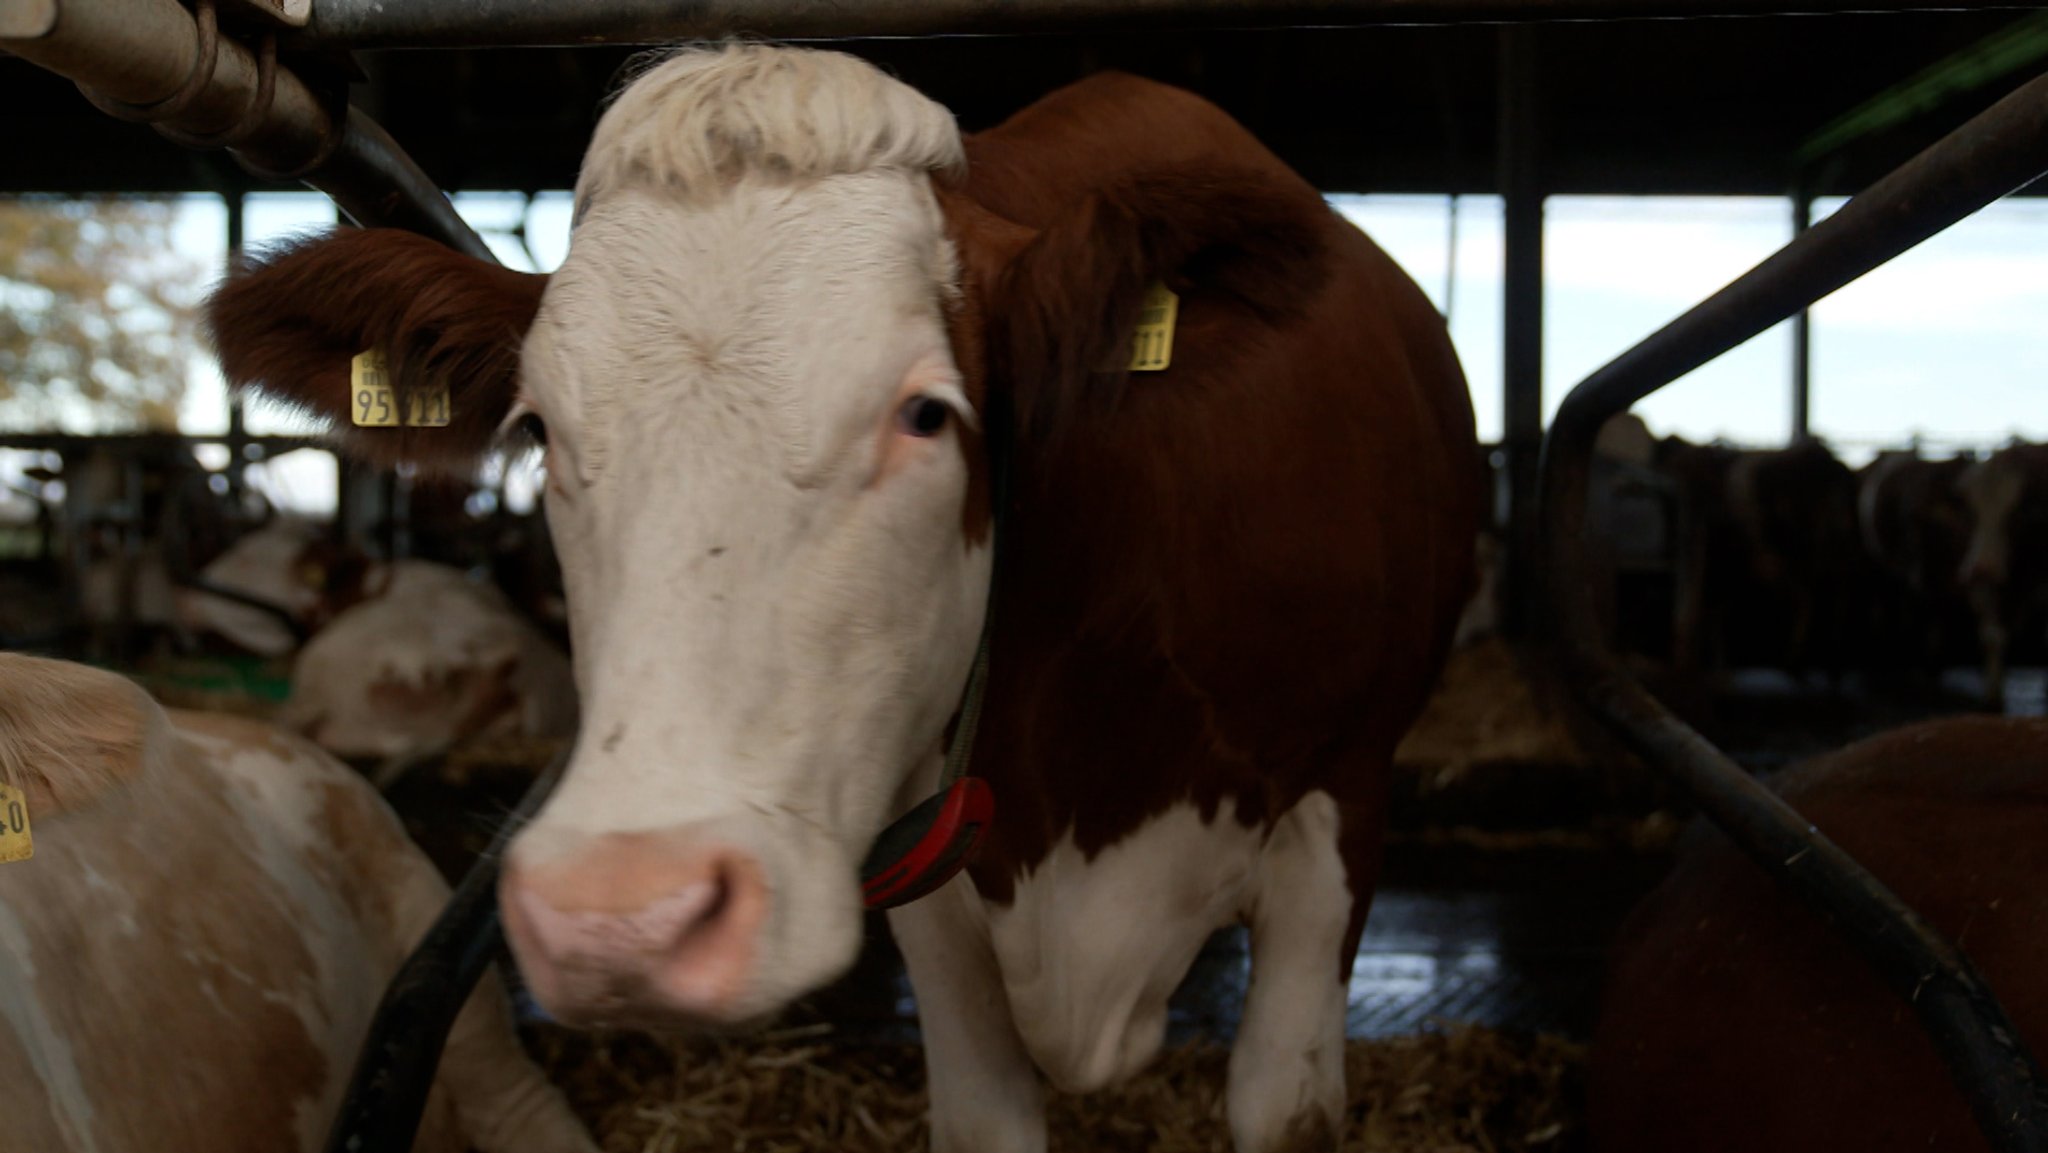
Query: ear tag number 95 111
x=1152, y=343
x=373, y=403
x=15, y=842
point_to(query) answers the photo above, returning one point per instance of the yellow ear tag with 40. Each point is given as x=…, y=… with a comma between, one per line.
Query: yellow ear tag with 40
x=1152, y=343
x=373, y=403
x=15, y=842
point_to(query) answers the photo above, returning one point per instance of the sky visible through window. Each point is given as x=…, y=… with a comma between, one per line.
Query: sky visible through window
x=1948, y=343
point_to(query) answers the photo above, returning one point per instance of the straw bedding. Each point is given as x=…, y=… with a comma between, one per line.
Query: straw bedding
x=807, y=1091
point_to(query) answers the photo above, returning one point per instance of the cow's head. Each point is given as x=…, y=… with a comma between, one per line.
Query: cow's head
x=761, y=379
x=2008, y=506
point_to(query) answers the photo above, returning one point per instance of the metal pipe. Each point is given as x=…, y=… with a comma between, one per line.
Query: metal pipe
x=507, y=23
x=1992, y=155
x=1802, y=334
x=157, y=62
x=1520, y=167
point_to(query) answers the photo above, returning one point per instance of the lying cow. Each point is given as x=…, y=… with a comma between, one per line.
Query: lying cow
x=430, y=658
x=189, y=961
x=292, y=566
x=2005, y=568
x=1734, y=1018
x=804, y=335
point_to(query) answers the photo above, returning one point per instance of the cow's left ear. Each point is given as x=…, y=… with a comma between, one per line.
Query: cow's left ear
x=290, y=324
x=1067, y=304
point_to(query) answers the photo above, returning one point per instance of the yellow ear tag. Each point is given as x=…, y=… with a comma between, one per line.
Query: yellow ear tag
x=15, y=842
x=1152, y=344
x=374, y=403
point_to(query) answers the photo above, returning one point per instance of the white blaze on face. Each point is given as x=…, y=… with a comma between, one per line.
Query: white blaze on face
x=1993, y=490
x=772, y=596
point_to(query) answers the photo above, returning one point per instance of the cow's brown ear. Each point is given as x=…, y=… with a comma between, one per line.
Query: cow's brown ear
x=290, y=324
x=1068, y=303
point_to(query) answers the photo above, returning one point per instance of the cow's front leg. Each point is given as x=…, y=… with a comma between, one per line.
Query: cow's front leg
x=1287, y=1067
x=985, y=1096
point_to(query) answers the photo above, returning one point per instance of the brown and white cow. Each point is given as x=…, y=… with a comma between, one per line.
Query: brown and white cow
x=795, y=301
x=429, y=659
x=1734, y=1018
x=291, y=564
x=1770, y=567
x=1916, y=527
x=191, y=958
x=2005, y=570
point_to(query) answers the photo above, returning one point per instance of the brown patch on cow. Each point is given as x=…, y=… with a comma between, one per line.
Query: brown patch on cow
x=339, y=573
x=171, y=964
x=244, y=731
x=290, y=322
x=1736, y=1019
x=1237, y=578
x=69, y=734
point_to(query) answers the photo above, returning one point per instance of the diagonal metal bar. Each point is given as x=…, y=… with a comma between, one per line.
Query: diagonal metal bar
x=153, y=61
x=1994, y=154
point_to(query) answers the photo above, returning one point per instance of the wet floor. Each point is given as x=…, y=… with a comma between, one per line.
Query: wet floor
x=1523, y=956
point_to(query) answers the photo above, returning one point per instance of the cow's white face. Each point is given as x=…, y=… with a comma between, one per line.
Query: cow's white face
x=1992, y=489
x=758, y=488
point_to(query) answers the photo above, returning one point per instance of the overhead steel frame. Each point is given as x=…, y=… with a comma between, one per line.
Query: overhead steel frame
x=154, y=60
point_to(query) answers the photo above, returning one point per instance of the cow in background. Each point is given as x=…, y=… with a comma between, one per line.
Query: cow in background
x=796, y=304
x=428, y=658
x=1771, y=567
x=2005, y=568
x=290, y=564
x=1734, y=1018
x=1915, y=527
x=136, y=512
x=190, y=960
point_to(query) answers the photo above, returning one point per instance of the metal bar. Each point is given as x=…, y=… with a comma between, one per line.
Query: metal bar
x=1802, y=334
x=395, y=1067
x=238, y=424
x=136, y=58
x=1992, y=155
x=507, y=23
x=1520, y=159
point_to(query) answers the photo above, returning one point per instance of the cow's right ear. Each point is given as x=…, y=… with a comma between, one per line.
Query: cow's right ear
x=289, y=324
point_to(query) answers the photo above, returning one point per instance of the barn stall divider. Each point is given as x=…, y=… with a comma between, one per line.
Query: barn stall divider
x=188, y=72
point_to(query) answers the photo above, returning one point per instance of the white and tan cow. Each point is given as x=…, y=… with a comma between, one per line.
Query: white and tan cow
x=290, y=564
x=429, y=659
x=191, y=958
x=796, y=303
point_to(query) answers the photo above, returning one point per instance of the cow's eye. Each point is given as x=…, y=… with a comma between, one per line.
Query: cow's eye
x=533, y=428
x=923, y=416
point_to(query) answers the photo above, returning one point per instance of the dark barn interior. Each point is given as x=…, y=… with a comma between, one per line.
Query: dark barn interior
x=1523, y=830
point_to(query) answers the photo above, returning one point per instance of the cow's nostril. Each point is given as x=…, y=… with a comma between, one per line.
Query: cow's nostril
x=677, y=921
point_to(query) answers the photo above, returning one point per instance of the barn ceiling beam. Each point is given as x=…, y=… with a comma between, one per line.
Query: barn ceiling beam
x=1985, y=63
x=179, y=69
x=532, y=23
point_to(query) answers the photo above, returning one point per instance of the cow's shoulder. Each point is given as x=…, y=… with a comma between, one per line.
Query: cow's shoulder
x=1114, y=127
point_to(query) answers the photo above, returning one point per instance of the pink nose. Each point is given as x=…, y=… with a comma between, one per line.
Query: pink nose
x=650, y=927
